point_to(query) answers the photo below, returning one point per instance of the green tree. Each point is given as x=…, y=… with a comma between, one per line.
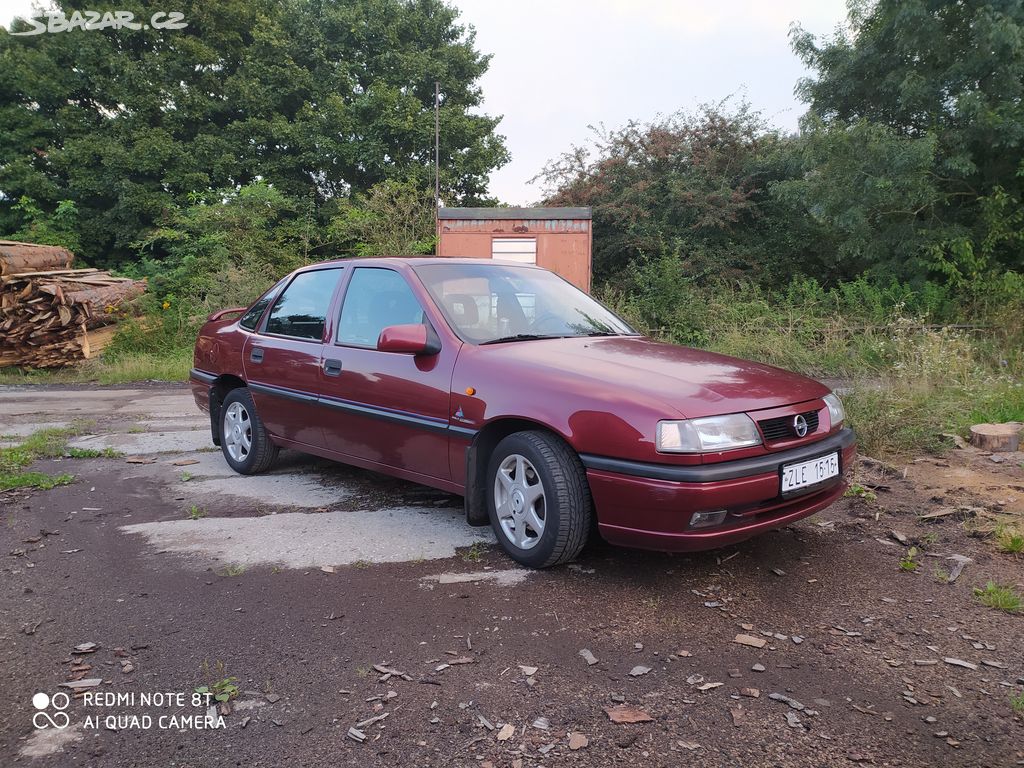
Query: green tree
x=950, y=74
x=395, y=218
x=694, y=186
x=319, y=98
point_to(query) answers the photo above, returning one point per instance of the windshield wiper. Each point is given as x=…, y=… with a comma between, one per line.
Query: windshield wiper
x=518, y=337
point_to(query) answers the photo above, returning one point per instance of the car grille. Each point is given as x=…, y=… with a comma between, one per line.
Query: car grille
x=782, y=427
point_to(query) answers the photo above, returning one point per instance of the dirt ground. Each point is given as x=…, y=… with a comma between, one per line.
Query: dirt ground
x=341, y=600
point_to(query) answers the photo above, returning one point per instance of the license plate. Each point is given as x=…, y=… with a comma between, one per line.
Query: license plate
x=807, y=473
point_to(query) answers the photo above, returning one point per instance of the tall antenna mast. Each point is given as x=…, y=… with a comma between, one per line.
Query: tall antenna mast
x=437, y=145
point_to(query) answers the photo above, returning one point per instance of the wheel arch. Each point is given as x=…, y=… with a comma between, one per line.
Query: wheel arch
x=220, y=388
x=478, y=455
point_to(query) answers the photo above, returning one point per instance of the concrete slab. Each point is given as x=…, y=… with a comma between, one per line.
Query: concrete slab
x=144, y=443
x=303, y=540
x=507, y=577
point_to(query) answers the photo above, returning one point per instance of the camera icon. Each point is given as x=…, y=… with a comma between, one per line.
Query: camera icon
x=43, y=702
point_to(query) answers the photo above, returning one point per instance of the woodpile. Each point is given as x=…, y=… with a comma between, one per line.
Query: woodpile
x=52, y=315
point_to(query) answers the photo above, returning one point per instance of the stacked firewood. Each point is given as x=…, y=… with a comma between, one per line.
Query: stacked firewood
x=52, y=315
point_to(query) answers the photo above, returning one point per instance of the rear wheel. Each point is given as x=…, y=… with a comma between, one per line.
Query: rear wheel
x=243, y=439
x=538, y=499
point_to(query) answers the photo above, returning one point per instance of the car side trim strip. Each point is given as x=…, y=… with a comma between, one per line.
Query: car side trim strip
x=399, y=417
x=203, y=376
x=288, y=394
x=725, y=470
x=427, y=423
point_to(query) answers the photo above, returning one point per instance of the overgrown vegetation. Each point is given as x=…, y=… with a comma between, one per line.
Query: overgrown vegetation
x=46, y=443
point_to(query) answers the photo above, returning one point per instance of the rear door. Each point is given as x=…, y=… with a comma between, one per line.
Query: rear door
x=385, y=409
x=282, y=360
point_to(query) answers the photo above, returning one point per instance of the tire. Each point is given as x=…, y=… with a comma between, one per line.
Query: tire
x=521, y=464
x=244, y=441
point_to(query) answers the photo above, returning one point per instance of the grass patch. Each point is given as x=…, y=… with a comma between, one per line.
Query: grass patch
x=196, y=513
x=475, y=552
x=122, y=368
x=858, y=491
x=1017, y=703
x=40, y=480
x=1000, y=597
x=93, y=453
x=46, y=443
x=1009, y=539
x=235, y=569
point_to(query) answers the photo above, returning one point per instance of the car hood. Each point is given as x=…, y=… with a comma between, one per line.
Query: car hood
x=692, y=381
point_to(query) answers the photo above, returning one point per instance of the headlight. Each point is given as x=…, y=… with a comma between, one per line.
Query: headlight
x=714, y=433
x=836, y=412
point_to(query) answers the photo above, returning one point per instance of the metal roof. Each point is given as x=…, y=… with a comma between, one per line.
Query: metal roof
x=489, y=214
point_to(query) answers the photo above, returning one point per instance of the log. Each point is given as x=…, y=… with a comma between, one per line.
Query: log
x=26, y=257
x=96, y=340
x=998, y=438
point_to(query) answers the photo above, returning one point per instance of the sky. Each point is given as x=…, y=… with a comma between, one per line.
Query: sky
x=559, y=66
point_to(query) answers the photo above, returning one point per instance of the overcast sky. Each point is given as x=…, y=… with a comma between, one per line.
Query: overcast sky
x=560, y=65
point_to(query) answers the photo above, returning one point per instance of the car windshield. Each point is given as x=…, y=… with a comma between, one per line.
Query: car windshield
x=492, y=303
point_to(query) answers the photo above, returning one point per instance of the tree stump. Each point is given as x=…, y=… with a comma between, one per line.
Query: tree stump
x=998, y=438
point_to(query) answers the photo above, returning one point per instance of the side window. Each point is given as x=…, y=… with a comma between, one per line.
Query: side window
x=375, y=299
x=301, y=312
x=251, y=319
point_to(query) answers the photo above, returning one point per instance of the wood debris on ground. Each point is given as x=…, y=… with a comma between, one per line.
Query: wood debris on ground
x=52, y=315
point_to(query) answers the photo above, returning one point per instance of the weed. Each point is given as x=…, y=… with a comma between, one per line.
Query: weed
x=942, y=575
x=362, y=671
x=46, y=443
x=196, y=513
x=999, y=597
x=186, y=476
x=929, y=538
x=135, y=429
x=93, y=453
x=234, y=569
x=361, y=564
x=475, y=552
x=909, y=563
x=1009, y=539
x=856, y=490
x=1017, y=703
x=40, y=480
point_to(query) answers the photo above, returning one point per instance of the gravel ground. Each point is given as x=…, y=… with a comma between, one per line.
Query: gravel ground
x=339, y=599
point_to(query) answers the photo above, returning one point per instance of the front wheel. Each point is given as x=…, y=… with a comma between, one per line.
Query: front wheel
x=243, y=439
x=539, y=500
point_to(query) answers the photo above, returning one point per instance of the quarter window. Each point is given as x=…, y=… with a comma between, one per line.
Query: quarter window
x=251, y=319
x=301, y=312
x=375, y=299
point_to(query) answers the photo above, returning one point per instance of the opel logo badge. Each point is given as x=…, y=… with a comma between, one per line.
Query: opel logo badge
x=799, y=425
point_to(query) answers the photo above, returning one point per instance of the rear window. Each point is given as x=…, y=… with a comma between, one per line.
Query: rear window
x=301, y=312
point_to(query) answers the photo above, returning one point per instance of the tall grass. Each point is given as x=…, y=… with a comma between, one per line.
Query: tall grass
x=917, y=361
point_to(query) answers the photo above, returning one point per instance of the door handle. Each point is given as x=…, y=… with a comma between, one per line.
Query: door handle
x=332, y=367
x=256, y=355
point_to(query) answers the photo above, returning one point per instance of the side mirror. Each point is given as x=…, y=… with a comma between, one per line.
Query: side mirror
x=412, y=339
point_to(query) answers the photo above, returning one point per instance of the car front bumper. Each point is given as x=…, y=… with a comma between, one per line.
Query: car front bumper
x=648, y=506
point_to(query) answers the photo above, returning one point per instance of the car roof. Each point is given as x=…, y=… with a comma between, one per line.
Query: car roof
x=415, y=261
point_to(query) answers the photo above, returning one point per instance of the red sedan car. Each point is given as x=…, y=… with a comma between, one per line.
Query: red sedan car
x=505, y=384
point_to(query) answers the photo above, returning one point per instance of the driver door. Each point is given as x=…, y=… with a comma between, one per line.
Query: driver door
x=385, y=409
